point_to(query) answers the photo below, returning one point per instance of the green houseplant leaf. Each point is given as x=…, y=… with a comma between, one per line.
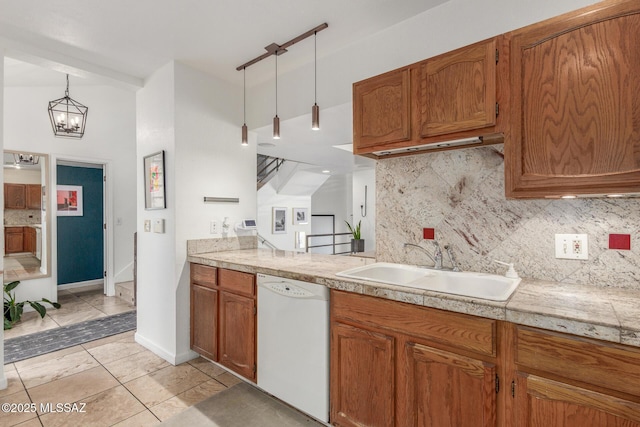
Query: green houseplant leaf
x=355, y=231
x=13, y=310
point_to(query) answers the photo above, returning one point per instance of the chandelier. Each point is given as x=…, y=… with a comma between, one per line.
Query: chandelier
x=68, y=117
x=25, y=159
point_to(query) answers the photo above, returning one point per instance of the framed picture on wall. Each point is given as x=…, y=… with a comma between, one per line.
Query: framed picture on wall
x=69, y=200
x=279, y=221
x=154, y=191
x=300, y=216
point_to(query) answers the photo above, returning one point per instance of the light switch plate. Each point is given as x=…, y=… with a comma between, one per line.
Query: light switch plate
x=572, y=246
x=147, y=225
x=158, y=225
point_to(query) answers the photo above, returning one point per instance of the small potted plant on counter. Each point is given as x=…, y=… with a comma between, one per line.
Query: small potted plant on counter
x=13, y=309
x=357, y=243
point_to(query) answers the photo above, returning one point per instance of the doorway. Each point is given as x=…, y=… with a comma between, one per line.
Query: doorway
x=80, y=217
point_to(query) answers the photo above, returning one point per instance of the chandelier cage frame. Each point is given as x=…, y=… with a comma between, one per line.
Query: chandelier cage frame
x=68, y=116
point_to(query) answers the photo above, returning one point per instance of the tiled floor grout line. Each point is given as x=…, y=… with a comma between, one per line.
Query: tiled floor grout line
x=124, y=386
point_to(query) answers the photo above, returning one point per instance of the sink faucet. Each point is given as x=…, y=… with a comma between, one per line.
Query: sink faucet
x=454, y=264
x=436, y=257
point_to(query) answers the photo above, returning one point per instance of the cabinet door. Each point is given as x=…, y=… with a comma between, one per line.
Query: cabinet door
x=576, y=114
x=541, y=402
x=237, y=334
x=443, y=389
x=13, y=240
x=34, y=196
x=362, y=377
x=15, y=196
x=381, y=111
x=204, y=321
x=458, y=90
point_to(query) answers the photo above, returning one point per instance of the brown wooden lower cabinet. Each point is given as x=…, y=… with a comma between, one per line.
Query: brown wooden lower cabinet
x=542, y=402
x=204, y=321
x=13, y=240
x=223, y=317
x=362, y=377
x=237, y=334
x=397, y=364
x=446, y=389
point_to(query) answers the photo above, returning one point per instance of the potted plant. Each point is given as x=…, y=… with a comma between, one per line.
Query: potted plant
x=13, y=309
x=357, y=243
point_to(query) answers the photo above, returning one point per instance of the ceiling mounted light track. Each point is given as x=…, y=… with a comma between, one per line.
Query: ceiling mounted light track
x=277, y=50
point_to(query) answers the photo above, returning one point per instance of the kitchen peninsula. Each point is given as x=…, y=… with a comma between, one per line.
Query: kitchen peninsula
x=550, y=347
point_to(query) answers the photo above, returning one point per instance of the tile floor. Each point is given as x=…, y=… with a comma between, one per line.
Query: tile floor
x=21, y=267
x=121, y=382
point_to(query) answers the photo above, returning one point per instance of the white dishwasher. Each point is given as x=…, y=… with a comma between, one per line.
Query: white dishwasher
x=293, y=343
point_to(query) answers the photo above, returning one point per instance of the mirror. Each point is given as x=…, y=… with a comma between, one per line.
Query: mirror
x=26, y=220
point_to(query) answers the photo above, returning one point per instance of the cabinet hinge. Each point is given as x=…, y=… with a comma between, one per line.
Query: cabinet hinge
x=105, y=273
x=497, y=55
x=254, y=369
x=497, y=109
x=513, y=389
x=497, y=384
x=255, y=310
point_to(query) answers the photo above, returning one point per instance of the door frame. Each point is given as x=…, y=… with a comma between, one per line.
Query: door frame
x=107, y=214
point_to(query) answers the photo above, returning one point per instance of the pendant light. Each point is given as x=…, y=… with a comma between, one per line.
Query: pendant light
x=276, y=119
x=245, y=133
x=315, y=110
x=68, y=117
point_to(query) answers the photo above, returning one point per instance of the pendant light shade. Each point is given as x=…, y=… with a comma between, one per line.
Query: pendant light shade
x=276, y=119
x=68, y=117
x=315, y=110
x=245, y=132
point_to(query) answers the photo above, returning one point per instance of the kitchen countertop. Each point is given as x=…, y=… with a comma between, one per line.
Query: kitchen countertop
x=604, y=313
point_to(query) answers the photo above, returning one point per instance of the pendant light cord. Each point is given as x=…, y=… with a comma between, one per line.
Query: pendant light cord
x=244, y=93
x=66, y=92
x=276, y=82
x=315, y=67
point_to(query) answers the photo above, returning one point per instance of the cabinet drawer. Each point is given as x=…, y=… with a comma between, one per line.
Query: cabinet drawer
x=204, y=275
x=612, y=366
x=452, y=329
x=237, y=282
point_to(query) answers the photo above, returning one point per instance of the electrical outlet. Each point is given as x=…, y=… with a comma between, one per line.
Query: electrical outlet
x=572, y=246
x=213, y=227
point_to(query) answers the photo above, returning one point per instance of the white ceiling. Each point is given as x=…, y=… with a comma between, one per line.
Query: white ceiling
x=129, y=40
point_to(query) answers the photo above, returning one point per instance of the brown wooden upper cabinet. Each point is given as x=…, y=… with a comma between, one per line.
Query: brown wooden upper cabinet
x=452, y=96
x=22, y=196
x=458, y=90
x=382, y=110
x=15, y=196
x=576, y=115
x=34, y=196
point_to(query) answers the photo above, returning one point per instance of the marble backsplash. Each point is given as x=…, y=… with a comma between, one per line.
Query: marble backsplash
x=22, y=216
x=460, y=193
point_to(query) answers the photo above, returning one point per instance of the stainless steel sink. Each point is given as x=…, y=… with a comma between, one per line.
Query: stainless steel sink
x=475, y=285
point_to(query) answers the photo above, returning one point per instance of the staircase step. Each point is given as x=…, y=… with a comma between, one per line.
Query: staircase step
x=124, y=291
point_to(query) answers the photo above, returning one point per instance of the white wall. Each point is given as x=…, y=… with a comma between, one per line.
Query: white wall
x=267, y=200
x=22, y=176
x=368, y=228
x=451, y=25
x=109, y=138
x=334, y=197
x=196, y=119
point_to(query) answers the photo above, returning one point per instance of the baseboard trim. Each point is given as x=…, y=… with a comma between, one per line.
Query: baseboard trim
x=174, y=359
x=95, y=282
